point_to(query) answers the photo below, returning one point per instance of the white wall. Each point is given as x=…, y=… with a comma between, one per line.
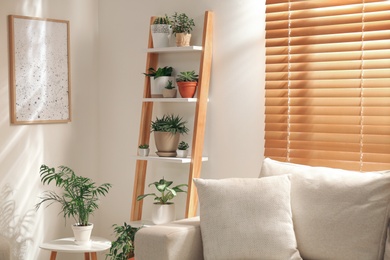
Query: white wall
x=23, y=148
x=235, y=111
x=108, y=40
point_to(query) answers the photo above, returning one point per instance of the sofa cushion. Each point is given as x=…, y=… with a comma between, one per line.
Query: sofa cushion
x=247, y=218
x=337, y=214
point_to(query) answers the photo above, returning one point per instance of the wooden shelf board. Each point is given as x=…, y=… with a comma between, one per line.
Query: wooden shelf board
x=169, y=159
x=171, y=100
x=176, y=49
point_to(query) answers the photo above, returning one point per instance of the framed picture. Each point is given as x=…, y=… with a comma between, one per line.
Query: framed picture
x=39, y=70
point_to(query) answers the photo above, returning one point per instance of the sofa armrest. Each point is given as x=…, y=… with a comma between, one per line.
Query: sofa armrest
x=177, y=240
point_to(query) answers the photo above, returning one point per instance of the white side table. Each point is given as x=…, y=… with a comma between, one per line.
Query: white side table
x=67, y=245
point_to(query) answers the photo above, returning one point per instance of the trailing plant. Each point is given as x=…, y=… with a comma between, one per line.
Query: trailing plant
x=187, y=76
x=123, y=247
x=166, y=193
x=183, y=146
x=181, y=23
x=169, y=123
x=143, y=146
x=162, y=20
x=165, y=71
x=169, y=85
x=80, y=194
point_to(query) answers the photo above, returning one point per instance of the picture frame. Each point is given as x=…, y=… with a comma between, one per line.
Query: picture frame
x=40, y=87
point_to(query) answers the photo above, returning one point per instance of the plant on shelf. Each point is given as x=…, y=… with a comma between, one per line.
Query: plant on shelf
x=187, y=82
x=161, y=31
x=182, y=149
x=79, y=198
x=169, y=91
x=163, y=210
x=123, y=247
x=166, y=192
x=167, y=130
x=161, y=77
x=160, y=72
x=143, y=150
x=162, y=20
x=182, y=26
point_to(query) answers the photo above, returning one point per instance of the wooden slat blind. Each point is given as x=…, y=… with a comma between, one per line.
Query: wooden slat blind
x=328, y=83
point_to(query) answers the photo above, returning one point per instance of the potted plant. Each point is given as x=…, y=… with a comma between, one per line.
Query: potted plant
x=167, y=130
x=187, y=82
x=161, y=31
x=169, y=91
x=182, y=26
x=79, y=198
x=182, y=149
x=161, y=76
x=143, y=150
x=163, y=210
x=123, y=247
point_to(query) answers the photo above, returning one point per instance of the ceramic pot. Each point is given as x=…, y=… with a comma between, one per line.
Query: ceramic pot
x=158, y=85
x=182, y=153
x=169, y=93
x=82, y=234
x=161, y=33
x=143, y=151
x=187, y=89
x=183, y=39
x=166, y=143
x=163, y=213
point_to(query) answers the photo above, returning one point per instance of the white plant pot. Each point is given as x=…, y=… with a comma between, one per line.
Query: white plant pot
x=143, y=151
x=82, y=234
x=163, y=213
x=158, y=85
x=182, y=153
x=161, y=33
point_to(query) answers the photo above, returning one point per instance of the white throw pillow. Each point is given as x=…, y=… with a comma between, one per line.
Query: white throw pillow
x=337, y=214
x=247, y=219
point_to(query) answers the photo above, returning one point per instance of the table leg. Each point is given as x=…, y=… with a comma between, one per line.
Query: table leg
x=53, y=255
x=94, y=256
x=86, y=256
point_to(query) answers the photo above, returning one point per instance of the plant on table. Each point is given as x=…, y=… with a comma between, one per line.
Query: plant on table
x=80, y=195
x=123, y=246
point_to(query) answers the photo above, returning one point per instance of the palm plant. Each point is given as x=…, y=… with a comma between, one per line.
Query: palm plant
x=167, y=193
x=80, y=194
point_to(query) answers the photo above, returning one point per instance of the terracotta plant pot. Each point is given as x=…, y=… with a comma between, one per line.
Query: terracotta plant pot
x=187, y=89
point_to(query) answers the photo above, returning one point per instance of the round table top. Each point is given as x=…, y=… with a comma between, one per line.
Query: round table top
x=68, y=245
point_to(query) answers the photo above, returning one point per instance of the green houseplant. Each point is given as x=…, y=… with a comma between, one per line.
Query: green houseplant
x=187, y=81
x=143, y=150
x=182, y=149
x=167, y=130
x=169, y=91
x=161, y=31
x=123, y=246
x=182, y=26
x=161, y=76
x=163, y=210
x=79, y=198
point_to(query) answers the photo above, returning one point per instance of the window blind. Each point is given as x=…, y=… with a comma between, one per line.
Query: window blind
x=328, y=83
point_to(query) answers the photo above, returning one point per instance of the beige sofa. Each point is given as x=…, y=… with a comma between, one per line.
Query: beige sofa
x=329, y=214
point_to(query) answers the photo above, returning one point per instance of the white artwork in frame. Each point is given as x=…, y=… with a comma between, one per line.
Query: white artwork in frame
x=39, y=70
